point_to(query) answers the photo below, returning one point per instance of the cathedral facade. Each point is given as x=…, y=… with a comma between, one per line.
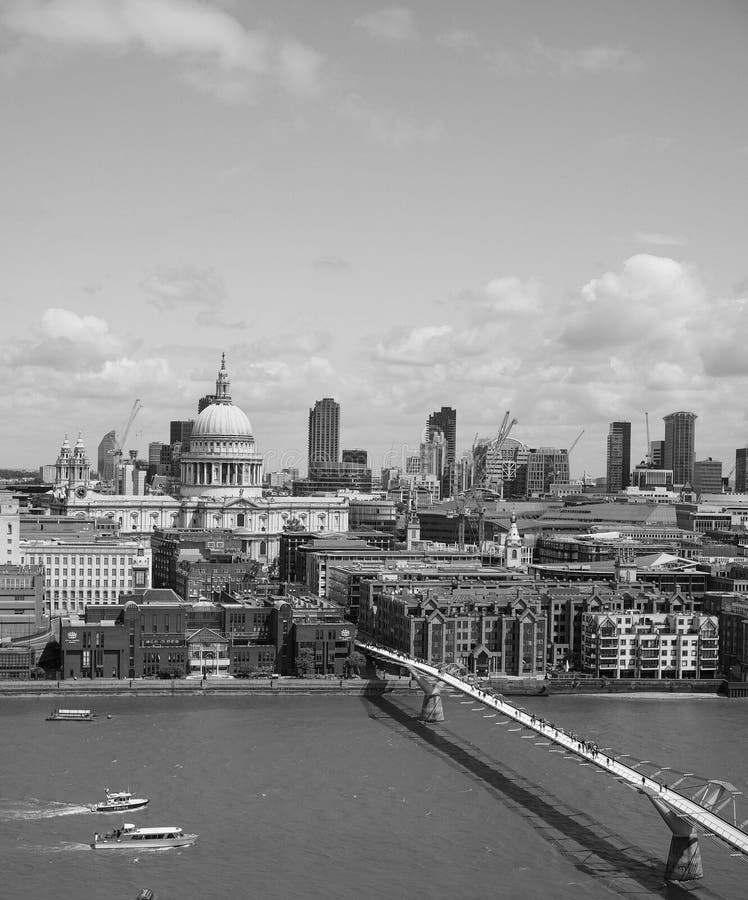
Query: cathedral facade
x=220, y=487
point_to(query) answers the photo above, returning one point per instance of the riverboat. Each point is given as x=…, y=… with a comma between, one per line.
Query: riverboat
x=118, y=801
x=131, y=838
x=71, y=715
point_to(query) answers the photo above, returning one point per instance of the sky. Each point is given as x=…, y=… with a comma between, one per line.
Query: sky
x=527, y=206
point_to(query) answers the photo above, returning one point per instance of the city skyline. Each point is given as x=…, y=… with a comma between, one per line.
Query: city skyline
x=404, y=208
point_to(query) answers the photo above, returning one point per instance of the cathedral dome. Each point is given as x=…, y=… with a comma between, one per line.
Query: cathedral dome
x=220, y=459
x=222, y=420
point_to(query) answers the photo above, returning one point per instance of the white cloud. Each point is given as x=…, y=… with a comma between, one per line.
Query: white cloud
x=511, y=295
x=331, y=263
x=458, y=39
x=424, y=345
x=651, y=302
x=393, y=25
x=127, y=377
x=214, y=50
x=590, y=60
x=388, y=127
x=64, y=341
x=659, y=239
x=177, y=287
x=587, y=60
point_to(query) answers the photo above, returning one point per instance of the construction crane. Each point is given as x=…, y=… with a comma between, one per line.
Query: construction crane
x=503, y=433
x=574, y=444
x=119, y=443
x=648, y=453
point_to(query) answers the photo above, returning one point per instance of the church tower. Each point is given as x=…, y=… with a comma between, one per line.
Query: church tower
x=72, y=468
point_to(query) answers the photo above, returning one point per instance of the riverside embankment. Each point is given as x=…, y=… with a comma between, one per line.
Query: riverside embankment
x=154, y=687
x=514, y=687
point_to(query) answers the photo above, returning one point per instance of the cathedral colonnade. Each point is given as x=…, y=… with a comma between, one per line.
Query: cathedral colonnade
x=230, y=474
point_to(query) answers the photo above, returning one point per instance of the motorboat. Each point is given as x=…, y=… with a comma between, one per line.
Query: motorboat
x=131, y=838
x=118, y=801
x=71, y=715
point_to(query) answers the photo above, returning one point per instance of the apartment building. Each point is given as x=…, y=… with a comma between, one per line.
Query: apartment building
x=631, y=644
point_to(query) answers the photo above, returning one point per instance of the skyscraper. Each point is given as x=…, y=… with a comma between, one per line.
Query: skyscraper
x=106, y=456
x=180, y=430
x=324, y=432
x=741, y=470
x=680, y=429
x=657, y=454
x=445, y=421
x=618, y=469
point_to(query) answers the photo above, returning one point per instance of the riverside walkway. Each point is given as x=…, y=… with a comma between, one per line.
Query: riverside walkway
x=701, y=814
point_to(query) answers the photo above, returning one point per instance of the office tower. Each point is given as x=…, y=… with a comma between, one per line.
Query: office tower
x=544, y=467
x=324, y=432
x=445, y=421
x=180, y=431
x=657, y=454
x=154, y=457
x=204, y=402
x=680, y=428
x=107, y=456
x=619, y=456
x=359, y=457
x=707, y=476
x=741, y=470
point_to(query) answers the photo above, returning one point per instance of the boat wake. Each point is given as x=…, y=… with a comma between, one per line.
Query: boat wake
x=62, y=847
x=17, y=810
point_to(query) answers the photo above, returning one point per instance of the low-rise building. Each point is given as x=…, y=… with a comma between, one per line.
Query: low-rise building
x=158, y=633
x=486, y=633
x=21, y=600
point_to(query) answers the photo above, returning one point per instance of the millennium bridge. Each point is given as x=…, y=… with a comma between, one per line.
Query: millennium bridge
x=698, y=807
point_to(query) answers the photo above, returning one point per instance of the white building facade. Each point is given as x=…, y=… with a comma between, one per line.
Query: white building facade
x=631, y=644
x=80, y=573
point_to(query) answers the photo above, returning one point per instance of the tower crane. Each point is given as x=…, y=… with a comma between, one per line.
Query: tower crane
x=575, y=442
x=648, y=454
x=119, y=443
x=503, y=433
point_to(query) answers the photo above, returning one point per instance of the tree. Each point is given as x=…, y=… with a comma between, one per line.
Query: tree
x=305, y=665
x=354, y=662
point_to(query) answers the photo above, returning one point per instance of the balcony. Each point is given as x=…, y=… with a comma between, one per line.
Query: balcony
x=649, y=654
x=649, y=664
x=608, y=655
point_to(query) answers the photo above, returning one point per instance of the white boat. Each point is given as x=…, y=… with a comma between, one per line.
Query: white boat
x=131, y=838
x=71, y=715
x=118, y=801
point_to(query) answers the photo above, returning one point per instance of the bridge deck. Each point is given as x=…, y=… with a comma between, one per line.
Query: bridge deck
x=700, y=815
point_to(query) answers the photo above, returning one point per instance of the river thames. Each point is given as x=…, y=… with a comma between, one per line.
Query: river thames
x=351, y=797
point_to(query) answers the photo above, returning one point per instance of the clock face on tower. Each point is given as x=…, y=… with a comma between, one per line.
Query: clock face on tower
x=80, y=492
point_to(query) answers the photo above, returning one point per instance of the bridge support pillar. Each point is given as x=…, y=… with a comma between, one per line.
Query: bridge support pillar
x=684, y=856
x=432, y=709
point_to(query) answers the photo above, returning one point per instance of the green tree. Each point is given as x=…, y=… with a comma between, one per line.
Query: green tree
x=305, y=663
x=355, y=662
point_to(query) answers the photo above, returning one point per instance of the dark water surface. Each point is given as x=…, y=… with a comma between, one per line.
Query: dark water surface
x=344, y=797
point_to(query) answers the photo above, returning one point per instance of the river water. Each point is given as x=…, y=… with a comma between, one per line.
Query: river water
x=347, y=797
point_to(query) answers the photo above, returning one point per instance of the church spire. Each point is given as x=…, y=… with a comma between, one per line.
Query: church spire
x=222, y=383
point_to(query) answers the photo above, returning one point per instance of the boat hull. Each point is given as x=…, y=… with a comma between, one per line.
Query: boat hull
x=69, y=718
x=119, y=807
x=184, y=840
